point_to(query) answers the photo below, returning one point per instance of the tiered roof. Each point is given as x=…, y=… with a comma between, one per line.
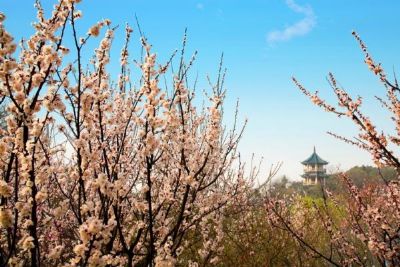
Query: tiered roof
x=314, y=159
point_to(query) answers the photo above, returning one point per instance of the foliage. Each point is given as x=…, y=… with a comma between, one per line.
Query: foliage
x=359, y=175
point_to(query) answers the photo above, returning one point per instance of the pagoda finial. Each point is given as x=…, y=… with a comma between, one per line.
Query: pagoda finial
x=314, y=149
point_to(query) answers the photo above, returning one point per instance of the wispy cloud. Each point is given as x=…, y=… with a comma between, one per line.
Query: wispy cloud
x=302, y=27
x=200, y=6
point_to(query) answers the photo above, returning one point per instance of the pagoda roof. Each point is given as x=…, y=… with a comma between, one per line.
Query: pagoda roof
x=314, y=159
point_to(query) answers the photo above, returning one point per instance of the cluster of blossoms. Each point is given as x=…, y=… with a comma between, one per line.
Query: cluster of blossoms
x=99, y=173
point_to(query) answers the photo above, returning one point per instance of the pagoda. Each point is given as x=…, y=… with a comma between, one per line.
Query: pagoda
x=314, y=169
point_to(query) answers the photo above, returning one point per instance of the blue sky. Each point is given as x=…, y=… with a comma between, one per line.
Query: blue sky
x=265, y=43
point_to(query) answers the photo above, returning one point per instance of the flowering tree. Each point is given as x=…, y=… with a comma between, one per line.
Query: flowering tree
x=96, y=172
x=368, y=231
